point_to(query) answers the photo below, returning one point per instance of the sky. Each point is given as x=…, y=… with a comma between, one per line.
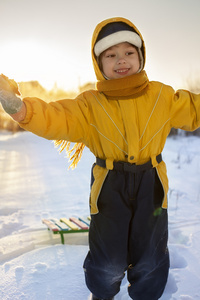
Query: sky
x=49, y=41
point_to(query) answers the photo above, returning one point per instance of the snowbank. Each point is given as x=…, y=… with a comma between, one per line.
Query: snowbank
x=35, y=184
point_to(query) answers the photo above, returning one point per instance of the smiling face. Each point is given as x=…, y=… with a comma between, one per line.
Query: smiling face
x=119, y=61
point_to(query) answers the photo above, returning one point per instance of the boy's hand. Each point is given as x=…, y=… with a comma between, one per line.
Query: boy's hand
x=9, y=84
x=9, y=95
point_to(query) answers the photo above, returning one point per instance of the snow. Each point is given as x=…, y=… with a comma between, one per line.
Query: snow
x=35, y=184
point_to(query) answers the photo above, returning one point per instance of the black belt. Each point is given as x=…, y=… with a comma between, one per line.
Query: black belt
x=128, y=167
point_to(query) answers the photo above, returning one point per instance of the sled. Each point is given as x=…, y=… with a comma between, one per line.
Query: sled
x=63, y=226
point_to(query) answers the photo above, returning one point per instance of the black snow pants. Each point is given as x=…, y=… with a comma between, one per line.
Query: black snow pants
x=130, y=234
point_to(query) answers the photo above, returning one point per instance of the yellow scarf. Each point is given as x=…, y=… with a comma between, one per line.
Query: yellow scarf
x=123, y=87
x=113, y=89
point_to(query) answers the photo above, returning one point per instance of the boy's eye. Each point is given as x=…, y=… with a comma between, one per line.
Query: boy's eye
x=129, y=53
x=110, y=55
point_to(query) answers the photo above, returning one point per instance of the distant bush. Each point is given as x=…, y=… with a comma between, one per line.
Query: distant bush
x=7, y=123
x=34, y=89
x=193, y=85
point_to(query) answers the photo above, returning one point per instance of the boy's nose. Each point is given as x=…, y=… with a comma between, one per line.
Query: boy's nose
x=121, y=60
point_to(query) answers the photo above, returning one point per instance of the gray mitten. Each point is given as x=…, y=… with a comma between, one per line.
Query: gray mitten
x=10, y=95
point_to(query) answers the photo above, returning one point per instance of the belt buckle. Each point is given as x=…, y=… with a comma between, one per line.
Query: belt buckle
x=130, y=167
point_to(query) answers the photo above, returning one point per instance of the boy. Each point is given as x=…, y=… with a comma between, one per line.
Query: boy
x=125, y=123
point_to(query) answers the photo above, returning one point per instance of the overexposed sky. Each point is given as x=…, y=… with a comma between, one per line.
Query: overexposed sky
x=49, y=41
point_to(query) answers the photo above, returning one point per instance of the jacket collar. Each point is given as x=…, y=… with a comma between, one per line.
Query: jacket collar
x=123, y=87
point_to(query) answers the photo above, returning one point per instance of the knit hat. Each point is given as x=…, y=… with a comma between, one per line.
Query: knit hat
x=115, y=33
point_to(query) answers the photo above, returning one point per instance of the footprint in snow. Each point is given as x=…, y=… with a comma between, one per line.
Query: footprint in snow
x=40, y=267
x=177, y=261
x=171, y=287
x=19, y=271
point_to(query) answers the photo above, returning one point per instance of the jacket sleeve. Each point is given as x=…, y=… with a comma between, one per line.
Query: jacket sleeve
x=185, y=110
x=63, y=119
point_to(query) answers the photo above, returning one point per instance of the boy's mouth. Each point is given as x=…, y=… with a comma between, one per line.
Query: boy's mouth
x=122, y=71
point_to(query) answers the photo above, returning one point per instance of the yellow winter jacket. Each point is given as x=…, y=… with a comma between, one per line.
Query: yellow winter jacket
x=124, y=119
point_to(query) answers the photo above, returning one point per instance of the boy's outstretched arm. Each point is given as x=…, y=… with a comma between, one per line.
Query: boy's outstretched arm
x=10, y=99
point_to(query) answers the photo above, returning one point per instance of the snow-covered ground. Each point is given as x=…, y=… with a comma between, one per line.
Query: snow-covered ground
x=35, y=184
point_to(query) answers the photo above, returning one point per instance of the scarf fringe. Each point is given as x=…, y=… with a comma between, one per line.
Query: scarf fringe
x=74, y=154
